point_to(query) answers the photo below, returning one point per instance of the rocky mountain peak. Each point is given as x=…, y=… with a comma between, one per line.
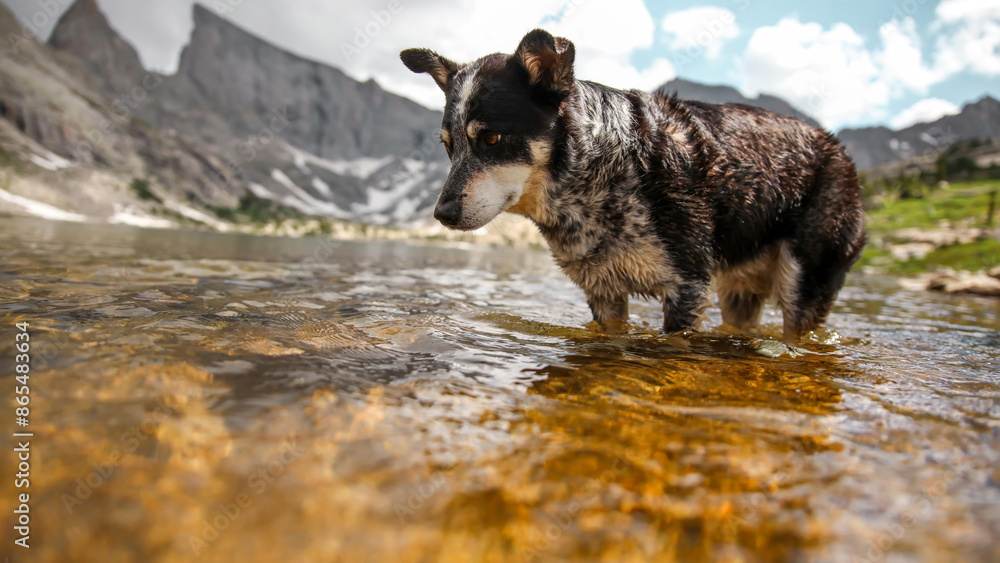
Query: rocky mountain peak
x=8, y=22
x=84, y=31
x=246, y=79
x=986, y=104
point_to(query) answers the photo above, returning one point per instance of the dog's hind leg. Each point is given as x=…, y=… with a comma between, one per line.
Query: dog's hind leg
x=828, y=240
x=817, y=290
x=684, y=308
x=743, y=289
x=741, y=309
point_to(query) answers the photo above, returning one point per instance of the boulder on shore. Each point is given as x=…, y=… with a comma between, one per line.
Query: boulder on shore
x=972, y=284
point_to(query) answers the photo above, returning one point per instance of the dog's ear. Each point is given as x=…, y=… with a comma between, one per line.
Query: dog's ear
x=548, y=60
x=425, y=60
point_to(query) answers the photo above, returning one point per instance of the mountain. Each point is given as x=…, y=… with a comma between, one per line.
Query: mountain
x=963, y=160
x=687, y=90
x=66, y=152
x=875, y=146
x=244, y=115
x=240, y=76
x=84, y=31
x=295, y=130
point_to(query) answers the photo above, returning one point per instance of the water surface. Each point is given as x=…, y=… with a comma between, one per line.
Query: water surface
x=238, y=398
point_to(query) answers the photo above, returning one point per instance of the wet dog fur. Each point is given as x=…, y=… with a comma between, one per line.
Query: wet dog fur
x=646, y=194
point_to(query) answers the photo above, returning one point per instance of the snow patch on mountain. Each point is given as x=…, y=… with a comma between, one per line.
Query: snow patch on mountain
x=129, y=215
x=356, y=168
x=260, y=191
x=39, y=209
x=304, y=201
x=50, y=161
x=322, y=187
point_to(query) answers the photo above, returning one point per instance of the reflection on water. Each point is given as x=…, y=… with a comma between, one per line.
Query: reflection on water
x=246, y=398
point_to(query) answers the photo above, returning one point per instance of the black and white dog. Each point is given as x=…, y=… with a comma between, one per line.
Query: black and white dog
x=649, y=195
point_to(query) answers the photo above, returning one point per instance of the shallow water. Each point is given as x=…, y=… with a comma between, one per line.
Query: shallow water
x=237, y=398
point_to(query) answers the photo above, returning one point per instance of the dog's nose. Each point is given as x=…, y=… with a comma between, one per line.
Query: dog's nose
x=448, y=213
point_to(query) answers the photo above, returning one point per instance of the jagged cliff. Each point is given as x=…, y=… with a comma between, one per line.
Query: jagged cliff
x=239, y=115
x=113, y=65
x=242, y=77
x=65, y=146
x=343, y=148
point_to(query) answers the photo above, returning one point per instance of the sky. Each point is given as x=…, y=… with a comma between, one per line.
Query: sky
x=848, y=63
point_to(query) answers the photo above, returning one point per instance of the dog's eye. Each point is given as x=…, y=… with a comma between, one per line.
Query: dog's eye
x=491, y=139
x=447, y=145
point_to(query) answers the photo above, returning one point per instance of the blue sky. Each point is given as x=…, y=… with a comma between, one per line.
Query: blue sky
x=848, y=63
x=865, y=18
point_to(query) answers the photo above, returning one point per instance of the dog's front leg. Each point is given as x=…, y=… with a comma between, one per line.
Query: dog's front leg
x=610, y=312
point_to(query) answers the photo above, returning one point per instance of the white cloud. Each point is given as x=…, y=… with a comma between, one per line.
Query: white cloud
x=833, y=75
x=901, y=59
x=965, y=10
x=827, y=73
x=968, y=36
x=154, y=28
x=603, y=55
x=702, y=30
x=924, y=111
x=613, y=30
x=618, y=74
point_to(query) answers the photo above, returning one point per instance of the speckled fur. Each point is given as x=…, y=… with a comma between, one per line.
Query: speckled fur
x=639, y=194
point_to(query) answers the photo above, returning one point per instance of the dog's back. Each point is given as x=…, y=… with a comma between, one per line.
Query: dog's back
x=785, y=205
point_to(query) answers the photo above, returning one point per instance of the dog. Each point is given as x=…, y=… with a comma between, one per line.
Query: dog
x=646, y=194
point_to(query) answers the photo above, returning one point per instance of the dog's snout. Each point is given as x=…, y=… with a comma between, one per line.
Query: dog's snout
x=448, y=212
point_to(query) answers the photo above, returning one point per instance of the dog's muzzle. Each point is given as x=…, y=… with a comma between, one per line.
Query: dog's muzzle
x=448, y=212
